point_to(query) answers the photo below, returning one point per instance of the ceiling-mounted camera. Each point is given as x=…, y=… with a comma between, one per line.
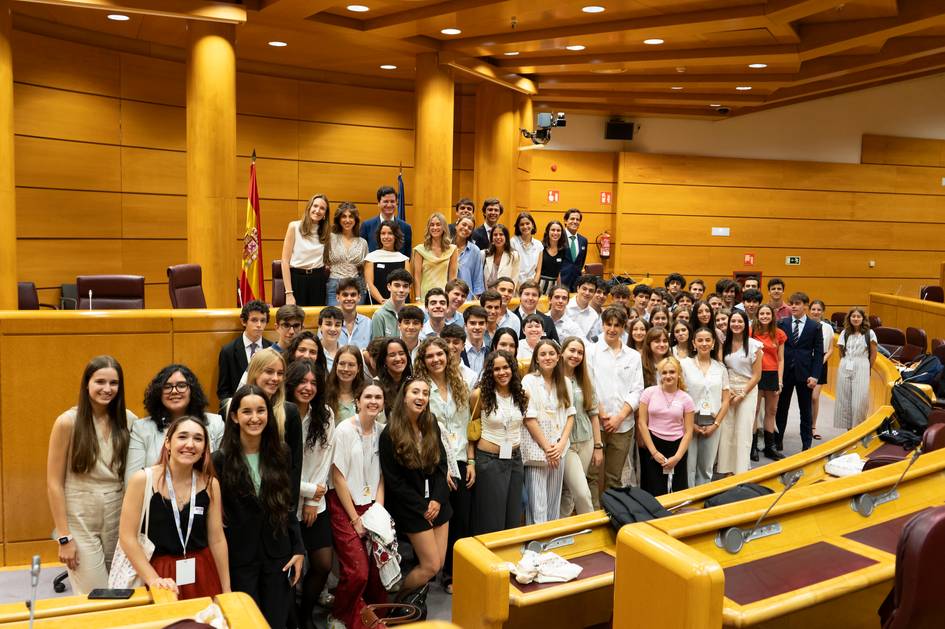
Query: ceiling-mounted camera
x=542, y=132
x=723, y=110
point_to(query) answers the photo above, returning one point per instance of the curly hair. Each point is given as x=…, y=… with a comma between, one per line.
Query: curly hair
x=412, y=455
x=487, y=386
x=395, y=229
x=320, y=415
x=454, y=377
x=154, y=405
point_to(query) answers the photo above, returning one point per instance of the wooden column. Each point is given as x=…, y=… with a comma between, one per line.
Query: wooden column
x=8, y=278
x=212, y=239
x=496, y=148
x=525, y=118
x=433, y=152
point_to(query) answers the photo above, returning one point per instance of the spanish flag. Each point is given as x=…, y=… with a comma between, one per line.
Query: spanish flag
x=251, y=274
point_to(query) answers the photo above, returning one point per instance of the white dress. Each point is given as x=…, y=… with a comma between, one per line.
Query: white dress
x=853, y=381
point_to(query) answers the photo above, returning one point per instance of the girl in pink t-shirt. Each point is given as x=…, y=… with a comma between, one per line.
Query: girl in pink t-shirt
x=664, y=424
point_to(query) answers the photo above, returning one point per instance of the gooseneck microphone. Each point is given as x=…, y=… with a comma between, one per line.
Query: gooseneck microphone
x=34, y=583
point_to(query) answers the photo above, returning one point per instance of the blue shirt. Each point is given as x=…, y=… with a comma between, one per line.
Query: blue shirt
x=361, y=336
x=476, y=358
x=457, y=318
x=470, y=268
x=510, y=320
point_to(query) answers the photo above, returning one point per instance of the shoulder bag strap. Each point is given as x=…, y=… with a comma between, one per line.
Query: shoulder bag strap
x=146, y=507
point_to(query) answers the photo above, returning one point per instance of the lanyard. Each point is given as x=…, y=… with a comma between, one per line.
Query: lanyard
x=193, y=499
x=366, y=457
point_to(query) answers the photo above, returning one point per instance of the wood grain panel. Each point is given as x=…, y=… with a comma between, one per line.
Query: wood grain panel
x=199, y=351
x=153, y=126
x=267, y=96
x=61, y=114
x=156, y=295
x=21, y=553
x=41, y=261
x=462, y=183
x=901, y=312
x=153, y=216
x=579, y=194
x=696, y=230
x=42, y=213
x=153, y=171
x=350, y=105
x=465, y=107
x=463, y=150
x=43, y=163
x=276, y=178
x=153, y=80
x=758, y=173
x=24, y=467
x=350, y=182
x=574, y=166
x=319, y=142
x=269, y=137
x=641, y=198
x=151, y=258
x=56, y=63
x=275, y=217
x=887, y=149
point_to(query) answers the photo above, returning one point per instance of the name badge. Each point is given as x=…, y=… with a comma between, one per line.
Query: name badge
x=379, y=265
x=186, y=571
x=198, y=510
x=426, y=488
x=505, y=450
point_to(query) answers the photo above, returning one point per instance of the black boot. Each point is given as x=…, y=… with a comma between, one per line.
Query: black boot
x=770, y=451
x=753, y=455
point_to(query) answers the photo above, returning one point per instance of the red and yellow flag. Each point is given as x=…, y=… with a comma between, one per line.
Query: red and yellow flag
x=251, y=274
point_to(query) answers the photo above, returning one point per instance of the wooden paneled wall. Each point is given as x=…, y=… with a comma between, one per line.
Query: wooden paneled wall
x=100, y=158
x=903, y=312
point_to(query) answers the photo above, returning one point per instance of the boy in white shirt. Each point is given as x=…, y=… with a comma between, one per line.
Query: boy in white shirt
x=579, y=308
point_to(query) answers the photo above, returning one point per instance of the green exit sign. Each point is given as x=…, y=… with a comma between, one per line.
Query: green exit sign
x=792, y=260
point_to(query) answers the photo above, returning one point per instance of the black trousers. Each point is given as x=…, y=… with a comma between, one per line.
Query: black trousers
x=310, y=289
x=461, y=501
x=497, y=494
x=652, y=478
x=804, y=396
x=268, y=585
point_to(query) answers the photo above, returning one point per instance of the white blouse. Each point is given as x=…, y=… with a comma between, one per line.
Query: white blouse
x=543, y=405
x=503, y=424
x=855, y=345
x=309, y=251
x=705, y=389
x=356, y=457
x=528, y=256
x=739, y=363
x=316, y=464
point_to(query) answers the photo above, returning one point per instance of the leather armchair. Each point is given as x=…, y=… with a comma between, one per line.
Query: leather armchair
x=111, y=292
x=185, y=285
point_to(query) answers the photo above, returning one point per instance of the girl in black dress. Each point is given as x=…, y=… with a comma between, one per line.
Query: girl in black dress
x=379, y=263
x=553, y=256
x=414, y=465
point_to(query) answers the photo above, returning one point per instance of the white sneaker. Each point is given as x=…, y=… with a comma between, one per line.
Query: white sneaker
x=334, y=623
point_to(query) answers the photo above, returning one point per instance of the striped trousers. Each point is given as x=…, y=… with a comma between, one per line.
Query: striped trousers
x=543, y=485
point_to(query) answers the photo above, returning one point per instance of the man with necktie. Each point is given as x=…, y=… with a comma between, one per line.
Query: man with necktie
x=576, y=246
x=803, y=361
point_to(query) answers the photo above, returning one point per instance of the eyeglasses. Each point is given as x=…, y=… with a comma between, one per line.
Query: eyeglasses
x=291, y=326
x=180, y=387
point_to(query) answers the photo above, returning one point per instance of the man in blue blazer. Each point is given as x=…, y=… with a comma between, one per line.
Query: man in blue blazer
x=576, y=246
x=387, y=204
x=803, y=362
x=491, y=211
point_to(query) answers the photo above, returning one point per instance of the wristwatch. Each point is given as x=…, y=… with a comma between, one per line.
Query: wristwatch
x=598, y=446
x=65, y=539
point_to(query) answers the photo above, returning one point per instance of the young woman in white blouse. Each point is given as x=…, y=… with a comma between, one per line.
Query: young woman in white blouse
x=356, y=483
x=306, y=390
x=709, y=389
x=500, y=475
x=548, y=423
x=347, y=250
x=743, y=356
x=528, y=248
x=857, y=344
x=305, y=255
x=500, y=260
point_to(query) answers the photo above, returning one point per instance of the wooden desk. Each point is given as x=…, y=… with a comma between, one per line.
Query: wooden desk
x=69, y=605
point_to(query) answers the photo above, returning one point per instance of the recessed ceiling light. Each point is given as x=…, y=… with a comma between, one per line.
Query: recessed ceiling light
x=743, y=88
x=609, y=70
x=575, y=47
x=450, y=31
x=388, y=66
x=715, y=105
x=511, y=53
x=653, y=41
x=593, y=8
x=278, y=44
x=757, y=66
x=118, y=17
x=358, y=8
x=676, y=87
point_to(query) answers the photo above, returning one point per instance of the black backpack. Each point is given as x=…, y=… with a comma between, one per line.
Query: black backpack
x=744, y=491
x=926, y=368
x=626, y=505
x=912, y=407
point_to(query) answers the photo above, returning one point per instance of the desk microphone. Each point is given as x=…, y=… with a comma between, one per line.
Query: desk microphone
x=34, y=583
x=90, y=299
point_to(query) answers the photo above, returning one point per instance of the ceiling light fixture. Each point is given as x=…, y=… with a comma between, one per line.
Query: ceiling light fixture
x=575, y=47
x=743, y=88
x=278, y=44
x=118, y=17
x=757, y=66
x=450, y=31
x=676, y=87
x=511, y=53
x=653, y=41
x=715, y=105
x=357, y=8
x=593, y=8
x=388, y=66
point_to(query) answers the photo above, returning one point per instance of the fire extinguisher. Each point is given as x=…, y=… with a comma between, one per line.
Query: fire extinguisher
x=603, y=245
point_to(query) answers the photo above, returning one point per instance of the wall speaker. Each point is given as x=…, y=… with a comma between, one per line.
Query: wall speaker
x=618, y=130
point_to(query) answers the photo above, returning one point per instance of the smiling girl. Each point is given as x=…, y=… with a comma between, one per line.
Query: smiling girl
x=348, y=249
x=305, y=255
x=664, y=424
x=346, y=377
x=586, y=446
x=435, y=259
x=528, y=248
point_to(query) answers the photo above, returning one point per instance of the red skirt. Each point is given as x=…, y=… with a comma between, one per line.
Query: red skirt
x=207, y=582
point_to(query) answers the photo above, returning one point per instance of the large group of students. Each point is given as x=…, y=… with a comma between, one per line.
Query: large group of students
x=460, y=417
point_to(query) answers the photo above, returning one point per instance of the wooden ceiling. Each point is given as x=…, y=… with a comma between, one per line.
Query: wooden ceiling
x=810, y=48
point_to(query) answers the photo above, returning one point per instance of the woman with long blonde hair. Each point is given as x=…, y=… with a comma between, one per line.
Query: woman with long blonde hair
x=587, y=448
x=305, y=255
x=434, y=260
x=664, y=428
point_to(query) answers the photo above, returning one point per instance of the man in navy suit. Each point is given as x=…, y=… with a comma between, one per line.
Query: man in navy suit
x=576, y=246
x=803, y=361
x=387, y=204
x=234, y=357
x=491, y=211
